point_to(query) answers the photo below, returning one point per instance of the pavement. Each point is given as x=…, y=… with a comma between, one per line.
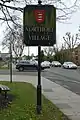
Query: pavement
x=67, y=101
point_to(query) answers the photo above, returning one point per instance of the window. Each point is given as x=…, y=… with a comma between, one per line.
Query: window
x=76, y=57
x=76, y=52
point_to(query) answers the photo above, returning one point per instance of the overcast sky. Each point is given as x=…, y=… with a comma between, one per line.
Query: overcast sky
x=61, y=29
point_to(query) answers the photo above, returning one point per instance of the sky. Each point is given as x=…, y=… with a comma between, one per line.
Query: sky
x=61, y=29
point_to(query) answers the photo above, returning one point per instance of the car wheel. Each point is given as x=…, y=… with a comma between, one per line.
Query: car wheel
x=21, y=69
x=68, y=67
x=63, y=67
x=42, y=68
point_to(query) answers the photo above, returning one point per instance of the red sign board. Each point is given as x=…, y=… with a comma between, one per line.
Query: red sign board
x=39, y=15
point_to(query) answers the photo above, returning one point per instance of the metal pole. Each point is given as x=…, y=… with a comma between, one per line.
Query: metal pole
x=10, y=63
x=39, y=82
x=39, y=106
x=28, y=52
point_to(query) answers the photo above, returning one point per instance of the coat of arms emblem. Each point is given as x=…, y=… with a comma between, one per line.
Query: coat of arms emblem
x=39, y=15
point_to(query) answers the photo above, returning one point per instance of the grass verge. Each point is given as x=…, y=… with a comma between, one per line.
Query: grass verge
x=23, y=106
x=4, y=68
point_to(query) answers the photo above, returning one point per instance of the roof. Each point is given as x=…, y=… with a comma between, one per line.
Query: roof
x=4, y=55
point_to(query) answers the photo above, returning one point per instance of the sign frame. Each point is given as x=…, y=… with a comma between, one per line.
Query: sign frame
x=41, y=35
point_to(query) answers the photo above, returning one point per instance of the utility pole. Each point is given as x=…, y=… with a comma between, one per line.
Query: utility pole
x=28, y=52
x=10, y=62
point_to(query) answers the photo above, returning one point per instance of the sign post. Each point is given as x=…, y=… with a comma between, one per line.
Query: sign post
x=10, y=62
x=39, y=101
x=39, y=29
x=39, y=106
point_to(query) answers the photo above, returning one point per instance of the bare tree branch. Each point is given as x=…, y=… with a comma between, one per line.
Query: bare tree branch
x=15, y=37
x=71, y=40
x=4, y=1
x=65, y=11
x=10, y=16
x=11, y=7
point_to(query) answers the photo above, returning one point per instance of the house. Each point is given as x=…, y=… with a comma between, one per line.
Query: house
x=76, y=55
x=4, y=56
x=70, y=55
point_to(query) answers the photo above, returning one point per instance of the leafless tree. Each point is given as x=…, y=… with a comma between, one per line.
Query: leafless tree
x=11, y=11
x=71, y=40
x=49, y=51
x=14, y=37
x=8, y=8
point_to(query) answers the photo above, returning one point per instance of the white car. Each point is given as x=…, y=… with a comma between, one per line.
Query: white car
x=69, y=65
x=46, y=64
x=34, y=62
x=56, y=64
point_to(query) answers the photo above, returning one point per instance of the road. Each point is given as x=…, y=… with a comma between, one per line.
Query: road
x=69, y=79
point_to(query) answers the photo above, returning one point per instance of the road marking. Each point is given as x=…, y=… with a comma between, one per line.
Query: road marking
x=66, y=86
x=76, y=82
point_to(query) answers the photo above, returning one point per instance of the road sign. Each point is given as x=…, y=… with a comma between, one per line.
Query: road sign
x=39, y=25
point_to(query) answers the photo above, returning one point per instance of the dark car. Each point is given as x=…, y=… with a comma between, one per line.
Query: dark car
x=27, y=65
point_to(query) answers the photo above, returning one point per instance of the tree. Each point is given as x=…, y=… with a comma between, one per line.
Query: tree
x=42, y=55
x=10, y=10
x=48, y=51
x=32, y=55
x=70, y=40
x=14, y=37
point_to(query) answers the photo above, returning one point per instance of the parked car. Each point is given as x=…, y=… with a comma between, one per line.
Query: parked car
x=35, y=62
x=45, y=64
x=69, y=65
x=56, y=64
x=27, y=65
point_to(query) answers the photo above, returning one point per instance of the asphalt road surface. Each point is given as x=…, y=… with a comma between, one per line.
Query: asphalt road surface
x=69, y=79
x=16, y=72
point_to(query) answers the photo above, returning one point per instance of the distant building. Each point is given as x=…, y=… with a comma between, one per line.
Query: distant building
x=76, y=55
x=4, y=56
x=71, y=55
